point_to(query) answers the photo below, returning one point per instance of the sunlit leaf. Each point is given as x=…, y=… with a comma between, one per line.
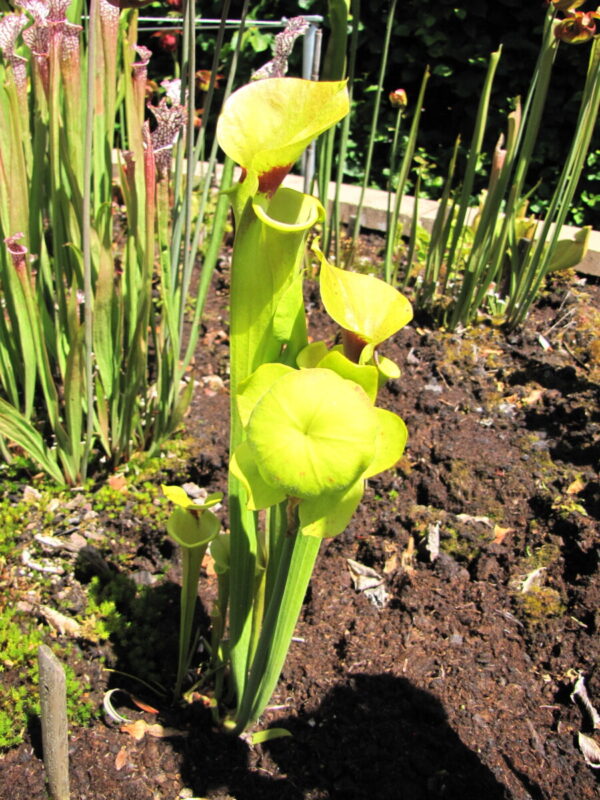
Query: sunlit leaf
x=366, y=376
x=569, y=253
x=178, y=495
x=390, y=441
x=312, y=433
x=190, y=530
x=388, y=369
x=311, y=355
x=268, y=736
x=328, y=515
x=266, y=125
x=260, y=493
x=362, y=304
x=254, y=387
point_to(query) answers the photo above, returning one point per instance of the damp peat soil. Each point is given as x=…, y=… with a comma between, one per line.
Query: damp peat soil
x=455, y=680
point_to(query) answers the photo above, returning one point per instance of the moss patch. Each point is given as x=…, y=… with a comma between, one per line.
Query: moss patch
x=114, y=608
x=461, y=538
x=540, y=603
x=19, y=640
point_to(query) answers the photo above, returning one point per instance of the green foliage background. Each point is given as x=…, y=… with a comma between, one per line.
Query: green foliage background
x=456, y=40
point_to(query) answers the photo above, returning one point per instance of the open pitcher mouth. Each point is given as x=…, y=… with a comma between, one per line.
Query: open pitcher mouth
x=288, y=210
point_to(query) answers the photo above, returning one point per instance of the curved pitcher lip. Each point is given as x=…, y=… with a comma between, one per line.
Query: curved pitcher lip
x=311, y=206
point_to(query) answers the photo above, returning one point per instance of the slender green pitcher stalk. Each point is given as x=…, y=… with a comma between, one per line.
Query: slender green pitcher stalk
x=374, y=122
x=403, y=172
x=86, y=236
x=192, y=526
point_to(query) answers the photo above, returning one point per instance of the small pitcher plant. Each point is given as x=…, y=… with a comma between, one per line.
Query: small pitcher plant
x=305, y=431
x=192, y=526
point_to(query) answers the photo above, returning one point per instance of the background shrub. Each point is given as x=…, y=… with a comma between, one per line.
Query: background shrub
x=456, y=40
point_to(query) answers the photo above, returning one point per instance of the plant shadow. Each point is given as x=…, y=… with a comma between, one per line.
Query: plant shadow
x=566, y=426
x=374, y=737
x=141, y=619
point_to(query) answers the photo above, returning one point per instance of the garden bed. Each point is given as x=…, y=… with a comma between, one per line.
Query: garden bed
x=458, y=683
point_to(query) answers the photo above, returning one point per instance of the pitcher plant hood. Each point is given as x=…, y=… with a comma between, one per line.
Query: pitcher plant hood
x=266, y=125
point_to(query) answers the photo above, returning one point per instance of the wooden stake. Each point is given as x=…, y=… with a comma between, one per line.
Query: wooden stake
x=53, y=701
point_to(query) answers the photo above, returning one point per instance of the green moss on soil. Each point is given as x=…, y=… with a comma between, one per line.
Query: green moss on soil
x=542, y=557
x=541, y=603
x=476, y=347
x=459, y=539
x=116, y=609
x=20, y=638
x=127, y=615
x=461, y=482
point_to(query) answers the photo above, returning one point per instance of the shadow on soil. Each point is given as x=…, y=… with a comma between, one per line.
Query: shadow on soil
x=567, y=425
x=375, y=738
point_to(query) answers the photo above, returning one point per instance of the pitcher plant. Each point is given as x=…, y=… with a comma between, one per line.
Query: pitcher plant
x=305, y=431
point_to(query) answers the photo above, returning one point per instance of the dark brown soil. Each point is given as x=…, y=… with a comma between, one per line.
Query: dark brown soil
x=460, y=686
